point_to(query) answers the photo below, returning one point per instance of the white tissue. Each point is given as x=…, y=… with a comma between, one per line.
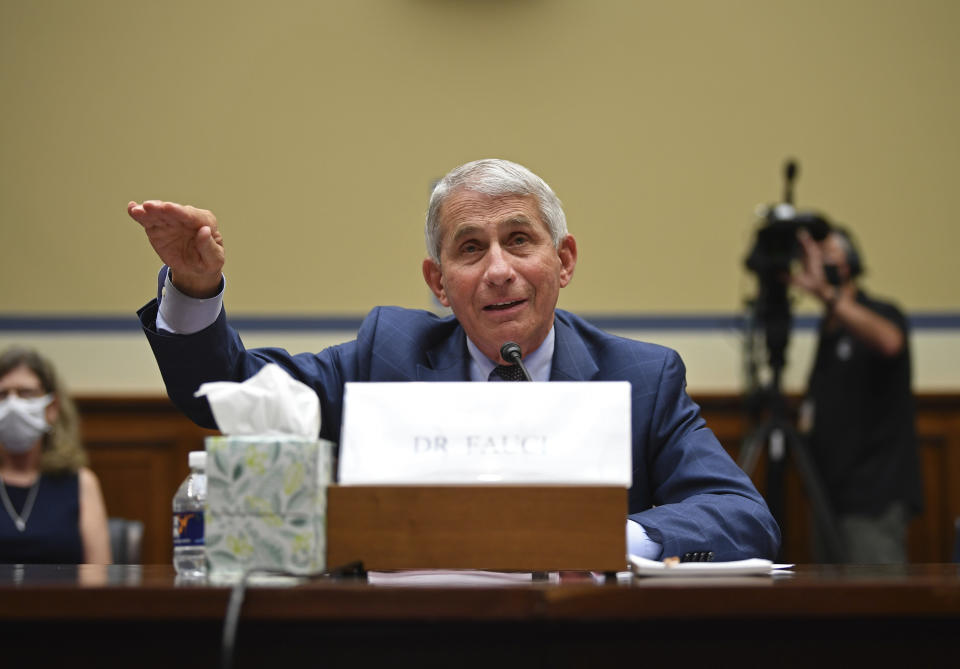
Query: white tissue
x=271, y=402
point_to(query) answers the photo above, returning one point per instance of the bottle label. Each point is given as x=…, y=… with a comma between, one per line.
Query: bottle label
x=188, y=528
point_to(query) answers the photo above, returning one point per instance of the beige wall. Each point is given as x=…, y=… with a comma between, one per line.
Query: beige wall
x=314, y=130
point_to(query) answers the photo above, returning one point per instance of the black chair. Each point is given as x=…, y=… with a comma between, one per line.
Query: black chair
x=956, y=539
x=126, y=537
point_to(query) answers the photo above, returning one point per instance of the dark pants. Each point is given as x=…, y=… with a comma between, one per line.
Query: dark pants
x=880, y=539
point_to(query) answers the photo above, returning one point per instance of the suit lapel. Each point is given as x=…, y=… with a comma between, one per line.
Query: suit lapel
x=449, y=360
x=571, y=359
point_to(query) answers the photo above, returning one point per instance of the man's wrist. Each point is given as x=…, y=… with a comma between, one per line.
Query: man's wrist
x=181, y=314
x=640, y=543
x=830, y=297
x=199, y=290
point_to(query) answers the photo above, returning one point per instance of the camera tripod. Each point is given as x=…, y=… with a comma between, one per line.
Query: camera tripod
x=775, y=248
x=783, y=442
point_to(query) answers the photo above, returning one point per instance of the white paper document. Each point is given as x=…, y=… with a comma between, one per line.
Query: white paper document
x=448, y=577
x=640, y=566
x=472, y=433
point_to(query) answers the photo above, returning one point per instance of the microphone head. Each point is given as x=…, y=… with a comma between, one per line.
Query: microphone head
x=790, y=169
x=511, y=351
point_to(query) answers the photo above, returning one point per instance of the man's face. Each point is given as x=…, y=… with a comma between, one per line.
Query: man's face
x=499, y=271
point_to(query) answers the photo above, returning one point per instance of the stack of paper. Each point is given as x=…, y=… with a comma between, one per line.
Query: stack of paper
x=754, y=567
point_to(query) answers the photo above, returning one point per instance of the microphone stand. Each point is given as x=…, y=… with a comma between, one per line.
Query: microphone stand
x=510, y=352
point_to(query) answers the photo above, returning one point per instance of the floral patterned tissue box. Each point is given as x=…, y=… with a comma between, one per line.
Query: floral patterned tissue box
x=266, y=504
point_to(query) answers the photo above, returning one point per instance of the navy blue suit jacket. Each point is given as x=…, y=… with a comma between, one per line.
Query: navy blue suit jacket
x=687, y=492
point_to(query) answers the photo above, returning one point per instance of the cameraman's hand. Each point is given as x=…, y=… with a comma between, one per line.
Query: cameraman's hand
x=811, y=277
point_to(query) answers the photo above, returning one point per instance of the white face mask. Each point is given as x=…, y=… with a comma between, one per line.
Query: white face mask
x=23, y=422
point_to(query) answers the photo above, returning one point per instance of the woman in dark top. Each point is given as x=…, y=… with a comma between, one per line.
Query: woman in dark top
x=51, y=507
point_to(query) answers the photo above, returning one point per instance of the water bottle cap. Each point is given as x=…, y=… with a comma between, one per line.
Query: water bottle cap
x=197, y=459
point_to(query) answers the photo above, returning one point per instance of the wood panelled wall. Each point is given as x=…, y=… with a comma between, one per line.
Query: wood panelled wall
x=138, y=447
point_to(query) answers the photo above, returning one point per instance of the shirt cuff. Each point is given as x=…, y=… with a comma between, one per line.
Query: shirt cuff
x=639, y=543
x=182, y=314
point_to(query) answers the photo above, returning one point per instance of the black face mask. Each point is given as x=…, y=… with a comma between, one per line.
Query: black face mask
x=832, y=274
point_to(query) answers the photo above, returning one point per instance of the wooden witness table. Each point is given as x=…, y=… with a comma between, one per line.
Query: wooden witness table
x=128, y=615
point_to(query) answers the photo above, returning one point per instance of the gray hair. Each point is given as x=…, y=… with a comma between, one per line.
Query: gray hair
x=496, y=177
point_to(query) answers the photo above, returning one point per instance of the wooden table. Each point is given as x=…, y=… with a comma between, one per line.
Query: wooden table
x=818, y=616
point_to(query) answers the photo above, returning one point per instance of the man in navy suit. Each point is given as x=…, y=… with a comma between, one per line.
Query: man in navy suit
x=498, y=255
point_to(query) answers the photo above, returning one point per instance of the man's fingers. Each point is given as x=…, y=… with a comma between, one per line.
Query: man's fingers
x=186, y=238
x=203, y=240
x=806, y=241
x=148, y=212
x=210, y=248
x=157, y=213
x=136, y=212
x=166, y=213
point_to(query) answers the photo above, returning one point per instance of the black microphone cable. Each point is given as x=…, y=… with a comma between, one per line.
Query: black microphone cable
x=235, y=604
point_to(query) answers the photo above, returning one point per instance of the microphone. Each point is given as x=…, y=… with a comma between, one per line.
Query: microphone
x=789, y=175
x=510, y=352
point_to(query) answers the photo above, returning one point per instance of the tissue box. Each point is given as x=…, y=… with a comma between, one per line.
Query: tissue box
x=266, y=504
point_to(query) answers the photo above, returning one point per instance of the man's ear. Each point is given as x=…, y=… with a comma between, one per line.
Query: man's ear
x=434, y=278
x=567, y=251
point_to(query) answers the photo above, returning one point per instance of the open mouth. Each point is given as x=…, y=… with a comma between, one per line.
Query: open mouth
x=503, y=306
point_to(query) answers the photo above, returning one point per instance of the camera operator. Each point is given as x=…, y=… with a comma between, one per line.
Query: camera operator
x=859, y=409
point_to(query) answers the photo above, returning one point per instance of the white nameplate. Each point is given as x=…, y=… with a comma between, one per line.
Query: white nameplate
x=557, y=432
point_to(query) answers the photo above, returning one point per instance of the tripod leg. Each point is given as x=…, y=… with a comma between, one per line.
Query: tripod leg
x=767, y=437
x=750, y=449
x=776, y=474
x=823, y=514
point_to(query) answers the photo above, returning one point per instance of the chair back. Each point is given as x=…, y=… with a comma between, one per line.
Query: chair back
x=126, y=538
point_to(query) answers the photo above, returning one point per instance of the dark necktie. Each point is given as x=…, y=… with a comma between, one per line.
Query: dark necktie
x=509, y=372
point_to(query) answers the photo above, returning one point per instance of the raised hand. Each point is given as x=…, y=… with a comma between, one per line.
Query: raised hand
x=187, y=240
x=811, y=276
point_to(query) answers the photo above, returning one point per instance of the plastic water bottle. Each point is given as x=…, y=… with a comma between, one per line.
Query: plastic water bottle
x=189, y=555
